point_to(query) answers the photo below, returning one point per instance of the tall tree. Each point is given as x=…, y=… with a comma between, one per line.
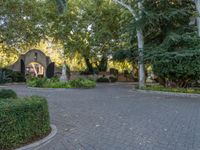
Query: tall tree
x=197, y=3
x=136, y=11
x=22, y=22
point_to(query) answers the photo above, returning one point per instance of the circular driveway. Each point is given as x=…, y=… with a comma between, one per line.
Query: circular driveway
x=116, y=117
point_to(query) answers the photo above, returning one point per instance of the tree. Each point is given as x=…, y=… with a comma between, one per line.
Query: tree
x=89, y=28
x=22, y=22
x=197, y=3
x=137, y=15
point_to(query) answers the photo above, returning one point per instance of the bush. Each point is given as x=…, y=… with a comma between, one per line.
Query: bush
x=177, y=69
x=36, y=82
x=103, y=79
x=7, y=75
x=114, y=71
x=4, y=93
x=55, y=83
x=82, y=83
x=113, y=79
x=126, y=74
x=23, y=120
x=17, y=77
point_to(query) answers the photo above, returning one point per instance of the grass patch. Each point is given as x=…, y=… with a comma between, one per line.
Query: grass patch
x=168, y=89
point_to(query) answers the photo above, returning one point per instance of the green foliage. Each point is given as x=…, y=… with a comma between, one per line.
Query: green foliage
x=113, y=79
x=7, y=93
x=7, y=75
x=165, y=21
x=82, y=83
x=103, y=79
x=22, y=26
x=175, y=90
x=55, y=83
x=180, y=68
x=23, y=120
x=36, y=82
x=17, y=77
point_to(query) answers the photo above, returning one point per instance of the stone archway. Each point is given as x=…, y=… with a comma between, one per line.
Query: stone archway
x=36, y=56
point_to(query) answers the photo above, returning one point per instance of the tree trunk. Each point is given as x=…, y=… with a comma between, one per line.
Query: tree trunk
x=197, y=2
x=140, y=39
x=89, y=65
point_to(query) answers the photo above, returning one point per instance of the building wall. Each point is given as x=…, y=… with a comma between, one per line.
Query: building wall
x=33, y=55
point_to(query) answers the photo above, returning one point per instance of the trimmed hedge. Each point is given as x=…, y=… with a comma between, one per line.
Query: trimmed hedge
x=23, y=120
x=6, y=93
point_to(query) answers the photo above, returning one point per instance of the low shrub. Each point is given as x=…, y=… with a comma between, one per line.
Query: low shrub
x=114, y=71
x=36, y=82
x=17, y=77
x=103, y=79
x=23, y=120
x=113, y=79
x=82, y=83
x=168, y=89
x=55, y=83
x=6, y=93
x=7, y=75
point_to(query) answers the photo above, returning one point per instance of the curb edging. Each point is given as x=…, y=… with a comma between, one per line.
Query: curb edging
x=41, y=142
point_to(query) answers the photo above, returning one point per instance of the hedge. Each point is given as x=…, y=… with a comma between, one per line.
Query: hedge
x=23, y=120
x=55, y=83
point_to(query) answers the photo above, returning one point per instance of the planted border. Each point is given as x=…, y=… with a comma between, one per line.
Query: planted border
x=174, y=90
x=55, y=83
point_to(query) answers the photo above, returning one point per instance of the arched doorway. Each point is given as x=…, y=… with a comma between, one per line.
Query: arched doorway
x=34, y=63
x=35, y=69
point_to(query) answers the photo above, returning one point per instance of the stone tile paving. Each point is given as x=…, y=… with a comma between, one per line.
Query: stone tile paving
x=115, y=117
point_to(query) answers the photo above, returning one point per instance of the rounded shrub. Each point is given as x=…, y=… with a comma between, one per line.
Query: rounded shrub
x=7, y=93
x=23, y=120
x=113, y=79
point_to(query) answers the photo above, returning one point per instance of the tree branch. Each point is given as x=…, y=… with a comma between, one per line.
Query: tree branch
x=122, y=3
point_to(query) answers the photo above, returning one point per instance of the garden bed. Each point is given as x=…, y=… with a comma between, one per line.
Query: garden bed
x=22, y=121
x=55, y=83
x=174, y=90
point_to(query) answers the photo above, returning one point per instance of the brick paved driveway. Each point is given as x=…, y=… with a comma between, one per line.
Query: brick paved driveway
x=115, y=117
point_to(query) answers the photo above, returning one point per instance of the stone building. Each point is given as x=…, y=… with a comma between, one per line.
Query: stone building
x=36, y=62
